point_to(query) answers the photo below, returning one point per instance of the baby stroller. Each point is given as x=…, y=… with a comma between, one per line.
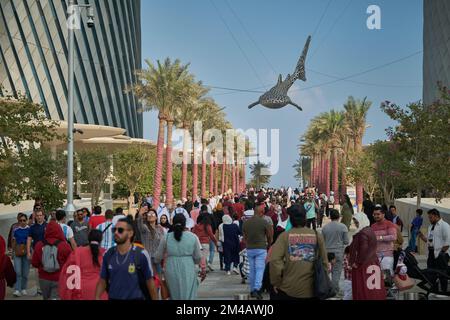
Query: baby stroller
x=429, y=278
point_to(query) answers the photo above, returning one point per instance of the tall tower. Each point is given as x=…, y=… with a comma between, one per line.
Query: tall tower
x=34, y=55
x=436, y=43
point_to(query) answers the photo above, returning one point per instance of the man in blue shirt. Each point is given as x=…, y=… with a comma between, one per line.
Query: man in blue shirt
x=126, y=269
x=36, y=232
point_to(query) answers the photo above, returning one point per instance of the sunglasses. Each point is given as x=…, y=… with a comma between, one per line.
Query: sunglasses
x=119, y=230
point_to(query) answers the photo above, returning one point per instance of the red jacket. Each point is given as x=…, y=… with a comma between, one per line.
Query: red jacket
x=238, y=209
x=204, y=236
x=7, y=273
x=89, y=273
x=53, y=232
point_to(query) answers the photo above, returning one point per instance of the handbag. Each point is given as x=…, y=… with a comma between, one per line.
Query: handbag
x=20, y=250
x=403, y=282
x=323, y=287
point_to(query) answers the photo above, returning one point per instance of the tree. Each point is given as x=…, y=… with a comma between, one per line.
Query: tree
x=23, y=125
x=44, y=176
x=355, y=116
x=95, y=168
x=130, y=166
x=259, y=174
x=186, y=116
x=422, y=135
x=303, y=170
x=331, y=126
x=162, y=87
x=389, y=168
x=362, y=168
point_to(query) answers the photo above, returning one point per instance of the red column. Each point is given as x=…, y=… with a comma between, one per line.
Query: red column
x=211, y=177
x=327, y=176
x=222, y=182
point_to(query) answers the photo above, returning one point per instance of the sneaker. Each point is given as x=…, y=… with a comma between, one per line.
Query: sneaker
x=228, y=273
x=24, y=292
x=235, y=270
x=39, y=292
x=210, y=268
x=16, y=293
x=259, y=295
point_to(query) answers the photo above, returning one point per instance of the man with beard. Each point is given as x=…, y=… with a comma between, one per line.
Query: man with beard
x=126, y=269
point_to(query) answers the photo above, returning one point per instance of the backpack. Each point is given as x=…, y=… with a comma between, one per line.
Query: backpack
x=50, y=257
x=137, y=264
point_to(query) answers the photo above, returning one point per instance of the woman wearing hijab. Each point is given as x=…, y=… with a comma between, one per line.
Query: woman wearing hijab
x=86, y=262
x=164, y=222
x=346, y=211
x=367, y=278
x=229, y=236
x=7, y=273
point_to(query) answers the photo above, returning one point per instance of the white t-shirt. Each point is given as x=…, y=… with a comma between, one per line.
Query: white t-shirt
x=68, y=232
x=213, y=202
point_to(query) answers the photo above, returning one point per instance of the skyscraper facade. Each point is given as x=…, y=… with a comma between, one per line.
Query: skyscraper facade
x=436, y=43
x=34, y=59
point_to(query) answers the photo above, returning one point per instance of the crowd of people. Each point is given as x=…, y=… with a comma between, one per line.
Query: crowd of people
x=275, y=239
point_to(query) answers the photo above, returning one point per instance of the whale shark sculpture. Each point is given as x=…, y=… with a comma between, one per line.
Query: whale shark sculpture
x=277, y=97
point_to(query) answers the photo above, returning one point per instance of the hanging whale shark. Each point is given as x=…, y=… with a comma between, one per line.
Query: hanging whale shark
x=277, y=97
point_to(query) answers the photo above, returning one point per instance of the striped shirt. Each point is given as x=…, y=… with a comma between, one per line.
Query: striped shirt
x=108, y=236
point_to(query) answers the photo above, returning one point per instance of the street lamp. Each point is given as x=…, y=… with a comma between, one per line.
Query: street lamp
x=72, y=24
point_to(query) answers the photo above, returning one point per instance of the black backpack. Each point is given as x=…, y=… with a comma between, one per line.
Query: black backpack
x=137, y=264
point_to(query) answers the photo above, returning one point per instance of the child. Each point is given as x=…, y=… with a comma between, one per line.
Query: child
x=331, y=261
x=244, y=266
x=347, y=275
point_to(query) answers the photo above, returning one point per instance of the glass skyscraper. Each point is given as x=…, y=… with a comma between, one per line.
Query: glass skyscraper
x=34, y=55
x=436, y=43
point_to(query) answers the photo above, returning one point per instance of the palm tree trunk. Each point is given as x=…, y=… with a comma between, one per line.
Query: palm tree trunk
x=335, y=178
x=359, y=185
x=157, y=181
x=226, y=177
x=211, y=176
x=322, y=173
x=222, y=181
x=238, y=179
x=195, y=178
x=244, y=183
x=216, y=180
x=184, y=169
x=169, y=168
x=327, y=174
x=318, y=170
x=313, y=170
x=233, y=177
x=203, y=190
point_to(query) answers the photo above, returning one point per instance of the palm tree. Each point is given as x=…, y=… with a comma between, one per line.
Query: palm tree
x=331, y=126
x=186, y=117
x=257, y=175
x=160, y=87
x=355, y=115
x=211, y=116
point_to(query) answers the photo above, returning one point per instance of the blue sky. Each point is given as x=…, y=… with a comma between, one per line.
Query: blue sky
x=271, y=34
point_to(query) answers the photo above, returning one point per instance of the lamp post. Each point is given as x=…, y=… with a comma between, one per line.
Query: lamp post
x=72, y=24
